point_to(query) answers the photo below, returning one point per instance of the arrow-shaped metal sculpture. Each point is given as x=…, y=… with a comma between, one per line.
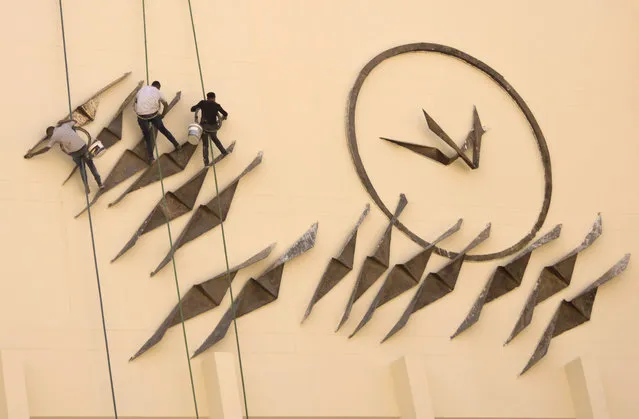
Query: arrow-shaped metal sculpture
x=473, y=141
x=374, y=265
x=86, y=112
x=136, y=159
x=151, y=175
x=178, y=203
x=207, y=217
x=505, y=279
x=338, y=266
x=437, y=284
x=112, y=133
x=200, y=298
x=259, y=292
x=574, y=312
x=553, y=279
x=403, y=277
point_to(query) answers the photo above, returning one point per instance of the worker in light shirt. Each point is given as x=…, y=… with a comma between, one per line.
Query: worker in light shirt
x=72, y=144
x=147, y=108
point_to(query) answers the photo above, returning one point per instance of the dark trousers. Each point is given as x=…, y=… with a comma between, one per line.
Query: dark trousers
x=80, y=159
x=208, y=130
x=145, y=126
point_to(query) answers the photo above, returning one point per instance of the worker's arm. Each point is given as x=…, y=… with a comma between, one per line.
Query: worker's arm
x=35, y=153
x=44, y=149
x=197, y=106
x=223, y=112
x=165, y=106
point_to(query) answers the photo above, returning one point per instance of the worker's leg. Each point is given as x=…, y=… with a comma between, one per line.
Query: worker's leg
x=218, y=143
x=205, y=148
x=157, y=123
x=94, y=171
x=79, y=161
x=145, y=126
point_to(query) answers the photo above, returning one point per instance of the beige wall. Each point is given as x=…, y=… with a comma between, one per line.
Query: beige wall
x=283, y=69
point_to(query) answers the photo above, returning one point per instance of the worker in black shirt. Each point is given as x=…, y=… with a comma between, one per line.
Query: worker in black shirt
x=211, y=122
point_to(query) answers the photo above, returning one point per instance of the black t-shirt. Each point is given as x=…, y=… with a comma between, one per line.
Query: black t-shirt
x=210, y=110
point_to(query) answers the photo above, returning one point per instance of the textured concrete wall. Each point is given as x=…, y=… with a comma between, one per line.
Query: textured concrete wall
x=283, y=69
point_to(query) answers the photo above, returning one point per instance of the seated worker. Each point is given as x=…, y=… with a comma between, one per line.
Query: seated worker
x=72, y=144
x=210, y=123
x=147, y=108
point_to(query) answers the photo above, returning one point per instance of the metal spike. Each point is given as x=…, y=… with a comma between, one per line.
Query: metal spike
x=201, y=298
x=375, y=264
x=553, y=279
x=338, y=266
x=505, y=279
x=403, y=277
x=574, y=312
x=206, y=217
x=261, y=291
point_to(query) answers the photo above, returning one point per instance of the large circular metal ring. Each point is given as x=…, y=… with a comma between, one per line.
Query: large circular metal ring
x=499, y=79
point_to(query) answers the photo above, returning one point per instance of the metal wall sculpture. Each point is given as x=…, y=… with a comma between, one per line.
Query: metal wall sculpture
x=265, y=289
x=338, y=266
x=553, y=279
x=136, y=159
x=201, y=298
x=374, y=265
x=502, y=83
x=207, y=217
x=437, y=284
x=505, y=279
x=403, y=277
x=86, y=112
x=259, y=292
x=574, y=312
x=473, y=141
x=112, y=133
x=178, y=203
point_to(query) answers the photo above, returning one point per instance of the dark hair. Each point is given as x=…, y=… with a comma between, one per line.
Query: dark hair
x=50, y=131
x=156, y=84
x=210, y=95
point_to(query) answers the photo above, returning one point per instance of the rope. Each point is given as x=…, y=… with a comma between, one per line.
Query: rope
x=168, y=228
x=86, y=194
x=217, y=192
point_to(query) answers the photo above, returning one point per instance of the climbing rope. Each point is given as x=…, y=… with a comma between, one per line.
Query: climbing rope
x=168, y=227
x=219, y=202
x=86, y=194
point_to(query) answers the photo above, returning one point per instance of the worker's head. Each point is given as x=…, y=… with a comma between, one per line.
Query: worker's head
x=50, y=131
x=210, y=96
x=156, y=84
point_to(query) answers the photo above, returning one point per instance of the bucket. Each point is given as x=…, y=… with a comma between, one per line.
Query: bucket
x=96, y=149
x=194, y=133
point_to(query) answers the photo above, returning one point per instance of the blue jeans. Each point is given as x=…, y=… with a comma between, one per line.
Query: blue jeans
x=145, y=126
x=80, y=159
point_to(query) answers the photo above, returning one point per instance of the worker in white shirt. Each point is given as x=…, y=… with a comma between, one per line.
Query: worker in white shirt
x=72, y=144
x=147, y=107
